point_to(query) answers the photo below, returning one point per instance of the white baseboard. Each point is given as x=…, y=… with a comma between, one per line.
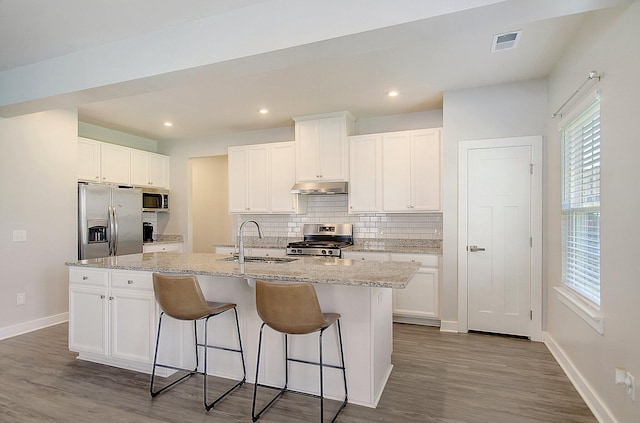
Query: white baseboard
x=448, y=326
x=588, y=394
x=30, y=326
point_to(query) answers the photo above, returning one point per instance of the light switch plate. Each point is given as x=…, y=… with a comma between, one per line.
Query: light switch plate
x=19, y=235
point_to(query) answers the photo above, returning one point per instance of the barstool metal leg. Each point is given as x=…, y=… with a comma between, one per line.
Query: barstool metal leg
x=208, y=406
x=156, y=364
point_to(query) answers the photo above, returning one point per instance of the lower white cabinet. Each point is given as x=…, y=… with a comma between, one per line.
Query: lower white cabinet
x=112, y=317
x=419, y=301
x=165, y=247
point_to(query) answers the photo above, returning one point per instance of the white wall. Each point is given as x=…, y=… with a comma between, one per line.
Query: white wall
x=509, y=110
x=112, y=136
x=607, y=42
x=38, y=154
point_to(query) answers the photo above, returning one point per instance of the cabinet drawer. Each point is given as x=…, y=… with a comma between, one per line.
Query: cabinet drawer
x=365, y=256
x=87, y=276
x=427, y=260
x=133, y=280
x=158, y=248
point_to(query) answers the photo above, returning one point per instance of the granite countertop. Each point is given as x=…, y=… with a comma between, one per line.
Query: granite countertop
x=399, y=246
x=165, y=239
x=389, y=274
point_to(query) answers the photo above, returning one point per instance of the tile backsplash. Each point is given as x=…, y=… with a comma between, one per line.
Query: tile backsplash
x=333, y=209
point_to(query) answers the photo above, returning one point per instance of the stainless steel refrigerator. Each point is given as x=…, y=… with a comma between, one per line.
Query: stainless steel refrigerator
x=109, y=221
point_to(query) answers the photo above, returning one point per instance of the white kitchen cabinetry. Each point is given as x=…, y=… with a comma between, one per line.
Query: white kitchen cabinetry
x=164, y=247
x=322, y=152
x=261, y=177
x=419, y=302
x=365, y=175
x=149, y=169
x=112, y=317
x=89, y=160
x=411, y=171
x=115, y=164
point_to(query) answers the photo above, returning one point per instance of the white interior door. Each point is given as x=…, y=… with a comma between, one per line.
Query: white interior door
x=496, y=251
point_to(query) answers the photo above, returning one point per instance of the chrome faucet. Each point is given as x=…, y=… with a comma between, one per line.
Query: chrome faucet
x=241, y=235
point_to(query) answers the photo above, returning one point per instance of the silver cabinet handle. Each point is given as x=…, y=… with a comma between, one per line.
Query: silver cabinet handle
x=130, y=282
x=102, y=297
x=474, y=248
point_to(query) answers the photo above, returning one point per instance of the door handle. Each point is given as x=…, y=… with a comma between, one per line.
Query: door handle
x=474, y=248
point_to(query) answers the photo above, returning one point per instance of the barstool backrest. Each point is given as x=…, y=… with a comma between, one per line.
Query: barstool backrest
x=289, y=307
x=180, y=296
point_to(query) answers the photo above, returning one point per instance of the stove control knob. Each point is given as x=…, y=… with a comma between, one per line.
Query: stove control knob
x=299, y=251
x=330, y=252
x=324, y=252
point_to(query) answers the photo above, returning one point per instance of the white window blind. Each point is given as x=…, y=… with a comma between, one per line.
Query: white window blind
x=581, y=203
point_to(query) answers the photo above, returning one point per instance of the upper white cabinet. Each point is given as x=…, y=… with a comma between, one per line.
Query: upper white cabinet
x=149, y=169
x=395, y=172
x=115, y=164
x=261, y=177
x=322, y=151
x=89, y=160
x=248, y=184
x=101, y=162
x=110, y=163
x=365, y=175
x=411, y=171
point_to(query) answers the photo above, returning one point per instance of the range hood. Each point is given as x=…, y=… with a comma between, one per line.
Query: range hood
x=319, y=188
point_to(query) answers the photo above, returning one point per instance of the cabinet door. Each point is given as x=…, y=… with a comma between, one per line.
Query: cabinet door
x=425, y=170
x=139, y=168
x=258, y=179
x=133, y=325
x=88, y=319
x=365, y=181
x=152, y=248
x=420, y=298
x=333, y=149
x=238, y=180
x=282, y=167
x=88, y=160
x=307, y=151
x=115, y=164
x=158, y=166
x=396, y=171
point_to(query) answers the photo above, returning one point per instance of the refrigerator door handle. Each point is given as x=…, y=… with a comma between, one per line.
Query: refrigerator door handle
x=110, y=229
x=115, y=230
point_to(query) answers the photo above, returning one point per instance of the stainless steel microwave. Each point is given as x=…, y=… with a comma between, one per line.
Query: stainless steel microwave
x=155, y=200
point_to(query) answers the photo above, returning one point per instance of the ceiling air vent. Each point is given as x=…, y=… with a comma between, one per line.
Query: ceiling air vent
x=506, y=41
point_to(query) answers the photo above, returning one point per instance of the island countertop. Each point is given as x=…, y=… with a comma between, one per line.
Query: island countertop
x=388, y=274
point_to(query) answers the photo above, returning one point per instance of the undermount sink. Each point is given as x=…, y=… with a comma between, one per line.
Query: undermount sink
x=256, y=259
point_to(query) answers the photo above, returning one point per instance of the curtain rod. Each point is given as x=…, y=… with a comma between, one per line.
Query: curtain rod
x=591, y=76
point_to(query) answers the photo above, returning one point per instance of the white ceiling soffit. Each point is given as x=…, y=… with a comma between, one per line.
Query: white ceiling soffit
x=215, y=86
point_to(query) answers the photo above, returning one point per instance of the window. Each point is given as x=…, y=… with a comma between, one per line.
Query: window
x=581, y=203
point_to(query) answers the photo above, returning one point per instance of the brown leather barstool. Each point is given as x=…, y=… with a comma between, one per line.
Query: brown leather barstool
x=181, y=298
x=293, y=309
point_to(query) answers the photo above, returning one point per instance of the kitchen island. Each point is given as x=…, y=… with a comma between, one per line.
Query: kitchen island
x=113, y=316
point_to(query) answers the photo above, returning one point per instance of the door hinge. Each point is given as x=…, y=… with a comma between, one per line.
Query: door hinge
x=531, y=241
x=530, y=314
x=531, y=168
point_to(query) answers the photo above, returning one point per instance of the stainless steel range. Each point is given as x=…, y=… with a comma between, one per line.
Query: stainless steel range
x=322, y=239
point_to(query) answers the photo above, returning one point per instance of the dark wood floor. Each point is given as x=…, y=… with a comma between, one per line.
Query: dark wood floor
x=438, y=377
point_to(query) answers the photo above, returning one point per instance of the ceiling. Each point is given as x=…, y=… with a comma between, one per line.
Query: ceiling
x=420, y=58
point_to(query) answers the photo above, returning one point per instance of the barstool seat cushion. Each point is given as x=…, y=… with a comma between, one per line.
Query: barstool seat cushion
x=291, y=308
x=181, y=298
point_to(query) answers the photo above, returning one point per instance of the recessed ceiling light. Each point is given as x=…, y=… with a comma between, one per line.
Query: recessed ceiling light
x=263, y=111
x=392, y=93
x=168, y=124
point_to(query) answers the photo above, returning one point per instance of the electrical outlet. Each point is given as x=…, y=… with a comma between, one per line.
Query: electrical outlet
x=19, y=235
x=21, y=299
